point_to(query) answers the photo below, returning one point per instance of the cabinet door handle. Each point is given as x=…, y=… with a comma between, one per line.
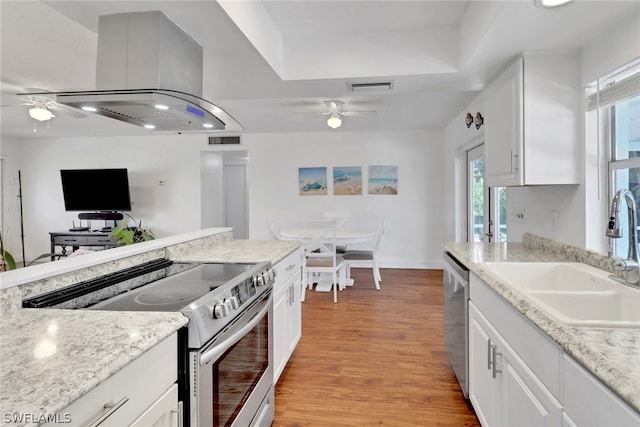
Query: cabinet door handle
x=291, y=267
x=179, y=413
x=109, y=409
x=495, y=369
x=489, y=354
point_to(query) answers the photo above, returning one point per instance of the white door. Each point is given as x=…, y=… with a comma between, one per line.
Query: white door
x=235, y=193
x=486, y=206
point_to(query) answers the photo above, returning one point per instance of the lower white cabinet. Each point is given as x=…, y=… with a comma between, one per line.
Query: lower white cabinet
x=143, y=393
x=287, y=310
x=519, y=377
x=587, y=402
x=165, y=412
x=502, y=389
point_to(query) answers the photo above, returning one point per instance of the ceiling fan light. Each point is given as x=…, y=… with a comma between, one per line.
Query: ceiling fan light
x=550, y=3
x=334, y=121
x=40, y=114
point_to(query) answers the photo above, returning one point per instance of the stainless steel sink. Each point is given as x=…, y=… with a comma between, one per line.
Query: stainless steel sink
x=573, y=293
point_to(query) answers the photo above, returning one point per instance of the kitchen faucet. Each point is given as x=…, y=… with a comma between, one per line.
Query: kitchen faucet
x=625, y=269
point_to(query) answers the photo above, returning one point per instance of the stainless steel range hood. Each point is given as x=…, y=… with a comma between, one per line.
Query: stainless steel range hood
x=149, y=73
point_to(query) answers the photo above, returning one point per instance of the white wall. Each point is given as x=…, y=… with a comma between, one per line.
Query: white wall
x=414, y=217
x=165, y=209
x=414, y=220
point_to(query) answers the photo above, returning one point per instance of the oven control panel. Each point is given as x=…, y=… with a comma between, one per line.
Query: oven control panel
x=240, y=294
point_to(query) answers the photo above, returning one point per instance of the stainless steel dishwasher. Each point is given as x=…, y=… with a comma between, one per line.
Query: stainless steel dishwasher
x=456, y=322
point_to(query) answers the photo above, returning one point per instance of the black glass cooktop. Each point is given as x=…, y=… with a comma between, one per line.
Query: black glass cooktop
x=175, y=292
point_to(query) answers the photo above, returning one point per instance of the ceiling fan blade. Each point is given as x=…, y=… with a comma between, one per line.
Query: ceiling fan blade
x=64, y=110
x=359, y=113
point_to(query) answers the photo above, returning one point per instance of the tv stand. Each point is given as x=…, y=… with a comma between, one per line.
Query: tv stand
x=75, y=239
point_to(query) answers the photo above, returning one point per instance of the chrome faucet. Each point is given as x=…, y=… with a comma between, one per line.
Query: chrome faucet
x=626, y=269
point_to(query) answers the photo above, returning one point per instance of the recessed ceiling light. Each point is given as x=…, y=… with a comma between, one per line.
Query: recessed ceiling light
x=161, y=107
x=207, y=125
x=150, y=126
x=550, y=3
x=89, y=108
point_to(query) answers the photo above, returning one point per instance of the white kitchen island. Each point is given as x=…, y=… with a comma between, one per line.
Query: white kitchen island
x=49, y=358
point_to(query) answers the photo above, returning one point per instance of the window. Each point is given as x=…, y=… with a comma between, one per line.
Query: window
x=616, y=98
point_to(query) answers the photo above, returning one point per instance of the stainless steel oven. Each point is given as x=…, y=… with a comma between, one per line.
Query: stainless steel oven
x=231, y=377
x=225, y=354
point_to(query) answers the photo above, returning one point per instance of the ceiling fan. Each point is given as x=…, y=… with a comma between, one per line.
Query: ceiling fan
x=335, y=111
x=42, y=106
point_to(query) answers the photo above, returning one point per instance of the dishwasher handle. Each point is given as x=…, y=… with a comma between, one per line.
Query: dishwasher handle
x=453, y=266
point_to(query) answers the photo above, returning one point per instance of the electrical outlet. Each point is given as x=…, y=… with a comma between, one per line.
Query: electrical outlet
x=517, y=215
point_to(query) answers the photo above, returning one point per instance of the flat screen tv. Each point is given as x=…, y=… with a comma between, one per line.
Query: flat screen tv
x=105, y=190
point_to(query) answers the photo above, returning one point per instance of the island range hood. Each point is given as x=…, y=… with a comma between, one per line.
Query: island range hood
x=149, y=73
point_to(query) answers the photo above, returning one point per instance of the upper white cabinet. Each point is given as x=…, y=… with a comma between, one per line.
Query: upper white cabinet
x=531, y=119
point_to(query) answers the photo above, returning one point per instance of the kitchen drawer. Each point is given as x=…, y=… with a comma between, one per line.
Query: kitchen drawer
x=71, y=240
x=287, y=267
x=101, y=241
x=133, y=389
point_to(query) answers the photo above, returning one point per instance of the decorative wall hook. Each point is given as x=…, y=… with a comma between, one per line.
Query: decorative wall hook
x=479, y=120
x=468, y=120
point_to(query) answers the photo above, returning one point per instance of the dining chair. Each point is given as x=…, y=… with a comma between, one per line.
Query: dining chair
x=318, y=237
x=342, y=218
x=366, y=255
x=274, y=228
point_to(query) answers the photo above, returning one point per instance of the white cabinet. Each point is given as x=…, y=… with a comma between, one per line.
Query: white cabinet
x=165, y=412
x=287, y=310
x=587, y=402
x=143, y=392
x=518, y=376
x=502, y=389
x=531, y=119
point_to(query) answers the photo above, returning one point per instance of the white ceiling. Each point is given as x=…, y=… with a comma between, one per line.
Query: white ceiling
x=265, y=61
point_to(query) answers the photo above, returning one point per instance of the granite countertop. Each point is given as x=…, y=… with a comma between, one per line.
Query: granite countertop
x=49, y=358
x=609, y=354
x=249, y=251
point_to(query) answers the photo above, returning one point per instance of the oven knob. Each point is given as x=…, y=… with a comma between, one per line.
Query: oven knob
x=260, y=280
x=232, y=303
x=271, y=274
x=254, y=280
x=220, y=310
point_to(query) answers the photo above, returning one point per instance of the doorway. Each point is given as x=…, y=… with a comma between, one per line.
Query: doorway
x=486, y=206
x=224, y=186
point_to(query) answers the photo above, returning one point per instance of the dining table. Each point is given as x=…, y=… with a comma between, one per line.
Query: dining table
x=344, y=236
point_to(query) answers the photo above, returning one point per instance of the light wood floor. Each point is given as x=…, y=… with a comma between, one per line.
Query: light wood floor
x=375, y=358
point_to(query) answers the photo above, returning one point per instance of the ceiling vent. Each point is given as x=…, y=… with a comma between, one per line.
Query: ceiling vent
x=372, y=86
x=224, y=140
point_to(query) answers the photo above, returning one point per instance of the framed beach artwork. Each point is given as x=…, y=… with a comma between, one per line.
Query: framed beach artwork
x=312, y=181
x=347, y=181
x=383, y=179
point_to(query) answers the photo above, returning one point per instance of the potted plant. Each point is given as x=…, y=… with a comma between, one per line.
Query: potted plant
x=127, y=235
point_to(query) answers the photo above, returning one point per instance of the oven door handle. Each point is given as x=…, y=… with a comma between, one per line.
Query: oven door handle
x=220, y=348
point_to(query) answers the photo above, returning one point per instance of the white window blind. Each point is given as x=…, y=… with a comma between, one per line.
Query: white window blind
x=615, y=87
